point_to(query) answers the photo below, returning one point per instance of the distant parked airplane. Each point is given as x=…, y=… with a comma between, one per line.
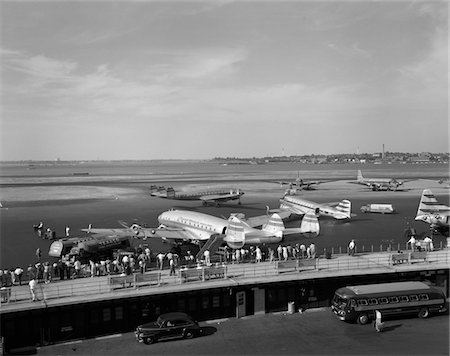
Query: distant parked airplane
x=302, y=184
x=214, y=196
x=300, y=206
x=434, y=213
x=380, y=183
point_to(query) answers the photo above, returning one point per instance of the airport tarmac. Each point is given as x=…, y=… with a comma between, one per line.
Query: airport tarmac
x=314, y=332
x=103, y=202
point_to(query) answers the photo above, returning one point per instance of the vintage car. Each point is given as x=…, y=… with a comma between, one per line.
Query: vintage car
x=168, y=326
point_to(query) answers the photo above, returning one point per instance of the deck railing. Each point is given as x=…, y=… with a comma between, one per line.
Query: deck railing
x=331, y=263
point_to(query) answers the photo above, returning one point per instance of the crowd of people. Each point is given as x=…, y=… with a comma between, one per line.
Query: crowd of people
x=142, y=259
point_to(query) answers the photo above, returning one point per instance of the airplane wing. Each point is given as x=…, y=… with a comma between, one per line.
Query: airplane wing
x=142, y=232
x=174, y=234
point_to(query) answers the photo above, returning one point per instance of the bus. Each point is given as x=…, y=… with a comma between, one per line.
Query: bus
x=358, y=303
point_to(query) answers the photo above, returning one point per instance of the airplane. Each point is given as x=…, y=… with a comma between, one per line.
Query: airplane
x=87, y=246
x=378, y=184
x=103, y=241
x=300, y=206
x=214, y=196
x=301, y=184
x=434, y=213
x=181, y=226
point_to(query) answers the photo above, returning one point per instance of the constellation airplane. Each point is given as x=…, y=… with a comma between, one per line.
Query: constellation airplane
x=377, y=184
x=211, y=196
x=189, y=226
x=434, y=213
x=300, y=206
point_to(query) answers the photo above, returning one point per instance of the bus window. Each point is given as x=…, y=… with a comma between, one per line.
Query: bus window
x=404, y=298
x=413, y=298
x=423, y=296
x=393, y=300
x=353, y=303
x=373, y=301
x=383, y=300
x=362, y=302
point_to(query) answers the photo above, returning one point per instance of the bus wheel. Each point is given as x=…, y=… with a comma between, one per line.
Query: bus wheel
x=363, y=319
x=424, y=313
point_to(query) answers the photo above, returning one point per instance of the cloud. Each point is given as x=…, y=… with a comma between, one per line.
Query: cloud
x=38, y=66
x=426, y=78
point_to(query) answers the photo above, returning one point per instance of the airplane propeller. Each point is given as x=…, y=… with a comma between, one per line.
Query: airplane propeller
x=136, y=228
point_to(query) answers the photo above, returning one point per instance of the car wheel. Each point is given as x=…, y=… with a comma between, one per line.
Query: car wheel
x=424, y=313
x=363, y=319
x=188, y=334
x=149, y=340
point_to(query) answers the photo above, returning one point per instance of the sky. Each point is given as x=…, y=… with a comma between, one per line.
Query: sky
x=87, y=80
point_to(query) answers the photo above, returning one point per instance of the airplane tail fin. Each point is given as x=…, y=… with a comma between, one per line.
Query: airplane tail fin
x=360, y=177
x=345, y=208
x=310, y=225
x=153, y=189
x=274, y=225
x=428, y=203
x=170, y=193
x=235, y=236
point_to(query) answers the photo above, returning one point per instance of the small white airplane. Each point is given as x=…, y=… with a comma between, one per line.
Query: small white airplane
x=377, y=184
x=195, y=227
x=212, y=196
x=434, y=213
x=300, y=206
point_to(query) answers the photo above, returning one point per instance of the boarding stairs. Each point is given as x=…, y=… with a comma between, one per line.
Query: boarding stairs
x=214, y=246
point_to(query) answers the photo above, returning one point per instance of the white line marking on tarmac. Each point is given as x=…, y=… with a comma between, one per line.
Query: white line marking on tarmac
x=108, y=337
x=216, y=321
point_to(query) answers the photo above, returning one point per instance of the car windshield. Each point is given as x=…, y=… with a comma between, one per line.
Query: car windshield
x=159, y=322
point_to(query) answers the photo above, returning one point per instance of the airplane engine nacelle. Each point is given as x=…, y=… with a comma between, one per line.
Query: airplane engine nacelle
x=235, y=244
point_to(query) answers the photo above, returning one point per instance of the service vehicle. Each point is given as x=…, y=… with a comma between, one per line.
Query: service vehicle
x=358, y=303
x=168, y=326
x=378, y=208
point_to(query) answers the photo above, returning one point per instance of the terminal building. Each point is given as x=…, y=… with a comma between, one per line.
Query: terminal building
x=91, y=307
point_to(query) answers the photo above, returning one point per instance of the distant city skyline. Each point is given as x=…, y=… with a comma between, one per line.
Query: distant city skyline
x=119, y=80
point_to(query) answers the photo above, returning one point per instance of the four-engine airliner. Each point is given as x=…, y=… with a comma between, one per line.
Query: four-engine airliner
x=377, y=184
x=209, y=196
x=300, y=206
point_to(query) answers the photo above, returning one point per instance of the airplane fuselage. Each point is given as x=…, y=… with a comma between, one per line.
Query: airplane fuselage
x=199, y=225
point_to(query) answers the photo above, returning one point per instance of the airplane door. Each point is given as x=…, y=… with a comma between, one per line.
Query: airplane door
x=240, y=304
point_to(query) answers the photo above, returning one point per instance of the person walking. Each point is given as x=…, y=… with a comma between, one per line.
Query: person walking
x=19, y=273
x=285, y=253
x=351, y=248
x=412, y=242
x=258, y=254
x=67, y=231
x=378, y=323
x=160, y=260
x=38, y=254
x=172, y=267
x=280, y=252
x=312, y=250
x=207, y=258
x=33, y=285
